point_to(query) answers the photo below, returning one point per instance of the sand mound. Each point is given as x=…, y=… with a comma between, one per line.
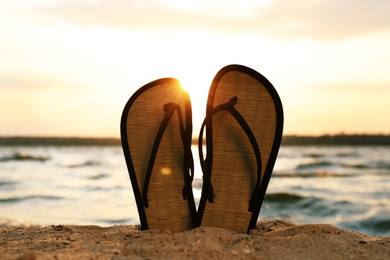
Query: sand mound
x=270, y=240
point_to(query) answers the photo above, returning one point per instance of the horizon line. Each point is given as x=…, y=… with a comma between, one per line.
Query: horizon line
x=194, y=136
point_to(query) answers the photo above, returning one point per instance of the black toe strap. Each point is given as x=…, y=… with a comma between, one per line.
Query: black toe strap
x=188, y=162
x=206, y=164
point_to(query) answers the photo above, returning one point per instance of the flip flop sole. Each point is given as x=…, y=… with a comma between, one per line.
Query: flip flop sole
x=234, y=168
x=141, y=120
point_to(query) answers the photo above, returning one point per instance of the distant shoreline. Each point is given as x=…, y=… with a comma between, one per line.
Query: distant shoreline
x=58, y=141
x=288, y=140
x=337, y=140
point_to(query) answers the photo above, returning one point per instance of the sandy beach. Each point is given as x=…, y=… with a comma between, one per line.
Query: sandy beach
x=270, y=240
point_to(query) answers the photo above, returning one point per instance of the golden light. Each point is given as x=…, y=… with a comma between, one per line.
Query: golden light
x=166, y=171
x=197, y=89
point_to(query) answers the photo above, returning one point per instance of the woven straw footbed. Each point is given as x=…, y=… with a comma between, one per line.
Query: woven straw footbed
x=167, y=209
x=234, y=168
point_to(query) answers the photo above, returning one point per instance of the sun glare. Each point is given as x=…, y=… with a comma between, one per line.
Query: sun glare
x=197, y=89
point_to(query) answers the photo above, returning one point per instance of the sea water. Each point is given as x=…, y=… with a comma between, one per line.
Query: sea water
x=347, y=186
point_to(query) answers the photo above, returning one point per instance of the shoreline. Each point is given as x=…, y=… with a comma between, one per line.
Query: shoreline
x=274, y=239
x=287, y=140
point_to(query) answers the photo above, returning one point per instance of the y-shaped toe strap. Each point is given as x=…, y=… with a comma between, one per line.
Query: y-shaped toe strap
x=206, y=164
x=188, y=162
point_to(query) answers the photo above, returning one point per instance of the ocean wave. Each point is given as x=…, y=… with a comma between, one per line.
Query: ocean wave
x=306, y=208
x=289, y=204
x=94, y=188
x=322, y=155
x=84, y=164
x=313, y=174
x=357, y=166
x=371, y=165
x=283, y=198
x=98, y=176
x=24, y=157
x=115, y=221
x=345, y=154
x=313, y=205
x=6, y=223
x=314, y=155
x=7, y=183
x=315, y=165
x=21, y=199
x=382, y=165
x=376, y=226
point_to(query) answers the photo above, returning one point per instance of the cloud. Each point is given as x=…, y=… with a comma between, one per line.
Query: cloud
x=33, y=81
x=320, y=20
x=329, y=19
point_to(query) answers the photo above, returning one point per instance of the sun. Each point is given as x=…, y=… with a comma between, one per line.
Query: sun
x=197, y=89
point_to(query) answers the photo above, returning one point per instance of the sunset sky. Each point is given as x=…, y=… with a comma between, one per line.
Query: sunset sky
x=67, y=67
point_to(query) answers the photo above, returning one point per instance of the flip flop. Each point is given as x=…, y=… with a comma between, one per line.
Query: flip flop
x=244, y=125
x=156, y=132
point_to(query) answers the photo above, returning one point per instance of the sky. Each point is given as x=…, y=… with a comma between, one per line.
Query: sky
x=67, y=67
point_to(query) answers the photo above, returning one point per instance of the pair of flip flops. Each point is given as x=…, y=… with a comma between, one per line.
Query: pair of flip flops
x=241, y=133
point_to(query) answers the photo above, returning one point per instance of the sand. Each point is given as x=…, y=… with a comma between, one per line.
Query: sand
x=270, y=240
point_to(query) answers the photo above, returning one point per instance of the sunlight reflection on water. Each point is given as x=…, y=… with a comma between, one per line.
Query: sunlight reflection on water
x=344, y=186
